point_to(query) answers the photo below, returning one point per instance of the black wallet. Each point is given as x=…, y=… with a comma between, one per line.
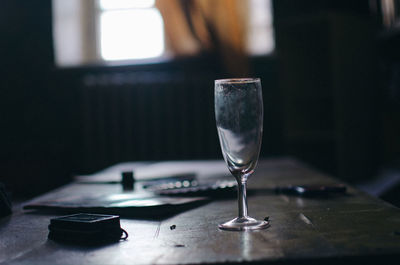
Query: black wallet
x=86, y=228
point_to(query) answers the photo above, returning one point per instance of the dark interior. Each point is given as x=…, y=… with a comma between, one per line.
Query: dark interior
x=331, y=94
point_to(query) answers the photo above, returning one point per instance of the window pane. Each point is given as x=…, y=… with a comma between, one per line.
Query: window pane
x=131, y=34
x=124, y=4
x=260, y=35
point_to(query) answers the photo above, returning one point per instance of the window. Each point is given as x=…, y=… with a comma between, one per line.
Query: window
x=260, y=36
x=101, y=31
x=113, y=31
x=121, y=33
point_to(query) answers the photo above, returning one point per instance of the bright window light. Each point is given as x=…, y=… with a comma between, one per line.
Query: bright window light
x=131, y=34
x=125, y=4
x=260, y=38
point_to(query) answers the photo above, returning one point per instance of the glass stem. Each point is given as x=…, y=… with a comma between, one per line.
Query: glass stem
x=242, y=198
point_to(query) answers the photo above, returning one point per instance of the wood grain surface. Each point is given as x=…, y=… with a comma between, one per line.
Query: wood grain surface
x=352, y=228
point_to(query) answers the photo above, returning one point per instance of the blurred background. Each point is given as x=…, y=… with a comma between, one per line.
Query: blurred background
x=86, y=84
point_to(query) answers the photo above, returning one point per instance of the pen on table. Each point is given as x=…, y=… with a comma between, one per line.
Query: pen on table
x=127, y=180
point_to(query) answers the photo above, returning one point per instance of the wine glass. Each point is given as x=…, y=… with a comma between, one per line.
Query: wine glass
x=239, y=119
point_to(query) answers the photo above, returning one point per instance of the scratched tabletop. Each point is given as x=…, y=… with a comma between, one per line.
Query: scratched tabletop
x=353, y=228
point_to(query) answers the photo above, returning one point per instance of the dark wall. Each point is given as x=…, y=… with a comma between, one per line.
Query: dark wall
x=389, y=43
x=163, y=111
x=36, y=132
x=330, y=85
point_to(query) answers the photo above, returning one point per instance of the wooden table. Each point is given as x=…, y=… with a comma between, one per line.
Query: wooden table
x=345, y=229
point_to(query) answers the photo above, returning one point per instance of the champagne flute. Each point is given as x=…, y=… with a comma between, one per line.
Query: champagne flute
x=239, y=119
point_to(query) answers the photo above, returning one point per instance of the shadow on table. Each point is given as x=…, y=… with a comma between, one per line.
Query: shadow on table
x=158, y=212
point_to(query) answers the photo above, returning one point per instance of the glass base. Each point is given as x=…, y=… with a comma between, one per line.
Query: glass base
x=244, y=223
